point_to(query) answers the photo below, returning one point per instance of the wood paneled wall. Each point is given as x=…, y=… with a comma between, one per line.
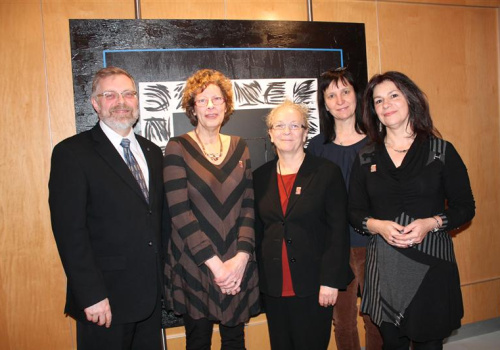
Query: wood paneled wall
x=449, y=47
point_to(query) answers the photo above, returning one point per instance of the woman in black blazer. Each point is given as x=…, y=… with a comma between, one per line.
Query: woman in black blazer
x=302, y=235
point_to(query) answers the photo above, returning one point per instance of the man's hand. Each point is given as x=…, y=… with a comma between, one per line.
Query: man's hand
x=99, y=313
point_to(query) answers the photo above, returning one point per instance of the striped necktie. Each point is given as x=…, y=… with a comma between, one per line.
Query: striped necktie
x=134, y=167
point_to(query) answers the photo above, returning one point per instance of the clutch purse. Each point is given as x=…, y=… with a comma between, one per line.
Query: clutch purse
x=169, y=319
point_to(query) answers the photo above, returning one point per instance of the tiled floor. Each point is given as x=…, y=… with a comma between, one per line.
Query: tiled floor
x=489, y=341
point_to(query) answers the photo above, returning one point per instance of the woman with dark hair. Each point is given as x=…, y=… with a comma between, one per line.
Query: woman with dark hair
x=342, y=136
x=408, y=188
x=211, y=272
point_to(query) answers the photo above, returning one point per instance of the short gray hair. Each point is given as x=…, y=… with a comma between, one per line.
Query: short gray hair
x=301, y=108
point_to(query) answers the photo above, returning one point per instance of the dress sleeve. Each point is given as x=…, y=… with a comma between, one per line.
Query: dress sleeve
x=461, y=207
x=246, y=233
x=335, y=270
x=359, y=200
x=183, y=219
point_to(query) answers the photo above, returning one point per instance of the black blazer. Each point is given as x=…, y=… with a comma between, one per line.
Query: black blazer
x=108, y=236
x=315, y=228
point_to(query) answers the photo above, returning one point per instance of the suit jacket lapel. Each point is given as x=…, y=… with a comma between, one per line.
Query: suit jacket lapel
x=272, y=193
x=108, y=152
x=304, y=177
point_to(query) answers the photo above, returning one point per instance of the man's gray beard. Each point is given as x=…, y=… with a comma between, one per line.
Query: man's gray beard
x=124, y=125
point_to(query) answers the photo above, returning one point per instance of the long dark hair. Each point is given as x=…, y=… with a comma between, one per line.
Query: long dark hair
x=326, y=119
x=419, y=119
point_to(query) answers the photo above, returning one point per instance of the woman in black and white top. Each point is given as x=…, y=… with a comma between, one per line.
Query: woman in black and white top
x=408, y=188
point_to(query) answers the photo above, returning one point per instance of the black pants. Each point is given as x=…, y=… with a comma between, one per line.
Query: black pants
x=143, y=335
x=199, y=335
x=394, y=341
x=298, y=323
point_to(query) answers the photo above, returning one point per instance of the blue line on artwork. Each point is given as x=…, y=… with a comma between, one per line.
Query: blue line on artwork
x=226, y=49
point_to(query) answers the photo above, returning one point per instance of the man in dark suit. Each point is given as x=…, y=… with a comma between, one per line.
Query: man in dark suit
x=106, y=202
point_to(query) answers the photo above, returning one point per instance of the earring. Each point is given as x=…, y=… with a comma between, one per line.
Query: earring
x=380, y=127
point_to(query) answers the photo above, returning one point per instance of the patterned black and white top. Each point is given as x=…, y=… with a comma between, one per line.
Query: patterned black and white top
x=417, y=289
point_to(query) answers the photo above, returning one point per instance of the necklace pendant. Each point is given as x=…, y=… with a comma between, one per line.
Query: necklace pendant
x=396, y=150
x=213, y=156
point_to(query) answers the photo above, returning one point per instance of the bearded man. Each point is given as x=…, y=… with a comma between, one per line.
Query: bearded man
x=107, y=205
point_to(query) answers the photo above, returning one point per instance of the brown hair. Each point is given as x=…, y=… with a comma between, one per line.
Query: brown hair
x=419, y=121
x=327, y=121
x=107, y=72
x=197, y=83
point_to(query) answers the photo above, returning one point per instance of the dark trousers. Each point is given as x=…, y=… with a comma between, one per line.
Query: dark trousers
x=199, y=335
x=143, y=335
x=394, y=341
x=298, y=323
x=345, y=311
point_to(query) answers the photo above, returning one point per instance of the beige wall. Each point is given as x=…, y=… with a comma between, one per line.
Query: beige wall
x=449, y=47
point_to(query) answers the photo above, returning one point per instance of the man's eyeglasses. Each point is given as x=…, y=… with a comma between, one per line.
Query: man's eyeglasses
x=113, y=95
x=216, y=101
x=291, y=126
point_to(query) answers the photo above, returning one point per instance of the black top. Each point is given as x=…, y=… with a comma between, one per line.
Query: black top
x=314, y=228
x=344, y=157
x=415, y=188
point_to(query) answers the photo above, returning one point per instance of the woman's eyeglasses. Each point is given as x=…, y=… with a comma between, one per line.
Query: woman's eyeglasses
x=216, y=101
x=291, y=126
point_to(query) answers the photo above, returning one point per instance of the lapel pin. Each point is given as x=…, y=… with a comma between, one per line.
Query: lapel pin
x=373, y=168
x=298, y=190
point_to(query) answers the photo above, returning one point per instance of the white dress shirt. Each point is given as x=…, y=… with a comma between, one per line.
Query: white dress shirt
x=135, y=148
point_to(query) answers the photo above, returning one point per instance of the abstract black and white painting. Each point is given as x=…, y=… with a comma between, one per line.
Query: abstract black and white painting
x=163, y=117
x=267, y=61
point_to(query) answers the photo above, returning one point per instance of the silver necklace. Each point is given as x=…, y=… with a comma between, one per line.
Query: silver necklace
x=213, y=157
x=396, y=150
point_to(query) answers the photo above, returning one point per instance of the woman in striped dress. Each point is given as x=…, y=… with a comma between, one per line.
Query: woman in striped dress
x=408, y=188
x=211, y=272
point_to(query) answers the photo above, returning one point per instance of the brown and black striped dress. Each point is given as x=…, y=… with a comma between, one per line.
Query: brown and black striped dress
x=212, y=214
